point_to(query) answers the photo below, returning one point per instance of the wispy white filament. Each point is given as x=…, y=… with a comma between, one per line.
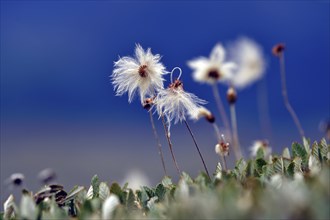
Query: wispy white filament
x=126, y=76
x=176, y=104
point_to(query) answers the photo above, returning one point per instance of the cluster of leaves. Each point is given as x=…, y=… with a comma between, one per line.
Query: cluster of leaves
x=287, y=186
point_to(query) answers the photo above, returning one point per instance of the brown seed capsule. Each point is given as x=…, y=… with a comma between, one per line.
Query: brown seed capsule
x=177, y=84
x=210, y=118
x=231, y=95
x=147, y=103
x=142, y=71
x=278, y=49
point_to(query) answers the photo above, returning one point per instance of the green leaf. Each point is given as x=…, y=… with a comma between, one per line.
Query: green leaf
x=28, y=209
x=297, y=165
x=149, y=191
x=130, y=201
x=218, y=172
x=95, y=184
x=104, y=191
x=240, y=169
x=202, y=179
x=278, y=165
x=267, y=170
x=290, y=169
x=144, y=198
x=116, y=189
x=74, y=192
x=160, y=191
x=316, y=151
x=260, y=153
x=286, y=153
x=299, y=151
x=167, y=182
x=324, y=149
x=187, y=178
x=250, y=168
x=307, y=143
x=259, y=163
x=9, y=207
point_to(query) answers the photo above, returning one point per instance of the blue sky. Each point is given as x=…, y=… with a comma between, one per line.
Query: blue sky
x=58, y=107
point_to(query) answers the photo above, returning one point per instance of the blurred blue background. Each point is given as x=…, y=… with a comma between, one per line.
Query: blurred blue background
x=58, y=107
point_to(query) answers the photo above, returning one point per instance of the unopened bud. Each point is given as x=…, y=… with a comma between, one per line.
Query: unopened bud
x=231, y=95
x=278, y=49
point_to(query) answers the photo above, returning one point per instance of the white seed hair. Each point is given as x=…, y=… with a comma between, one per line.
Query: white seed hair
x=126, y=77
x=201, y=112
x=203, y=65
x=175, y=104
x=250, y=61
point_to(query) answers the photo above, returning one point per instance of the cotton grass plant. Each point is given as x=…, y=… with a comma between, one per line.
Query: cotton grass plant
x=142, y=73
x=176, y=104
x=291, y=185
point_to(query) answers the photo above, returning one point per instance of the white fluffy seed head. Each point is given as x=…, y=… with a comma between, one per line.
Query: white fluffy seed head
x=250, y=61
x=176, y=104
x=213, y=69
x=142, y=73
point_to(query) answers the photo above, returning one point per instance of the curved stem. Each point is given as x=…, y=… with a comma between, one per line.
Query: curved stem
x=286, y=98
x=220, y=106
x=223, y=158
x=160, y=152
x=199, y=152
x=170, y=144
x=236, y=145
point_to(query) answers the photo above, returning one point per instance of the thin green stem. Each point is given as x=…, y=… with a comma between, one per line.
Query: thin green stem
x=160, y=151
x=170, y=144
x=286, y=98
x=199, y=152
x=223, y=158
x=236, y=145
x=220, y=107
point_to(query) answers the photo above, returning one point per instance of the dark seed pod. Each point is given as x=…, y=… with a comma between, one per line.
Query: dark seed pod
x=147, y=103
x=210, y=118
x=278, y=49
x=231, y=95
